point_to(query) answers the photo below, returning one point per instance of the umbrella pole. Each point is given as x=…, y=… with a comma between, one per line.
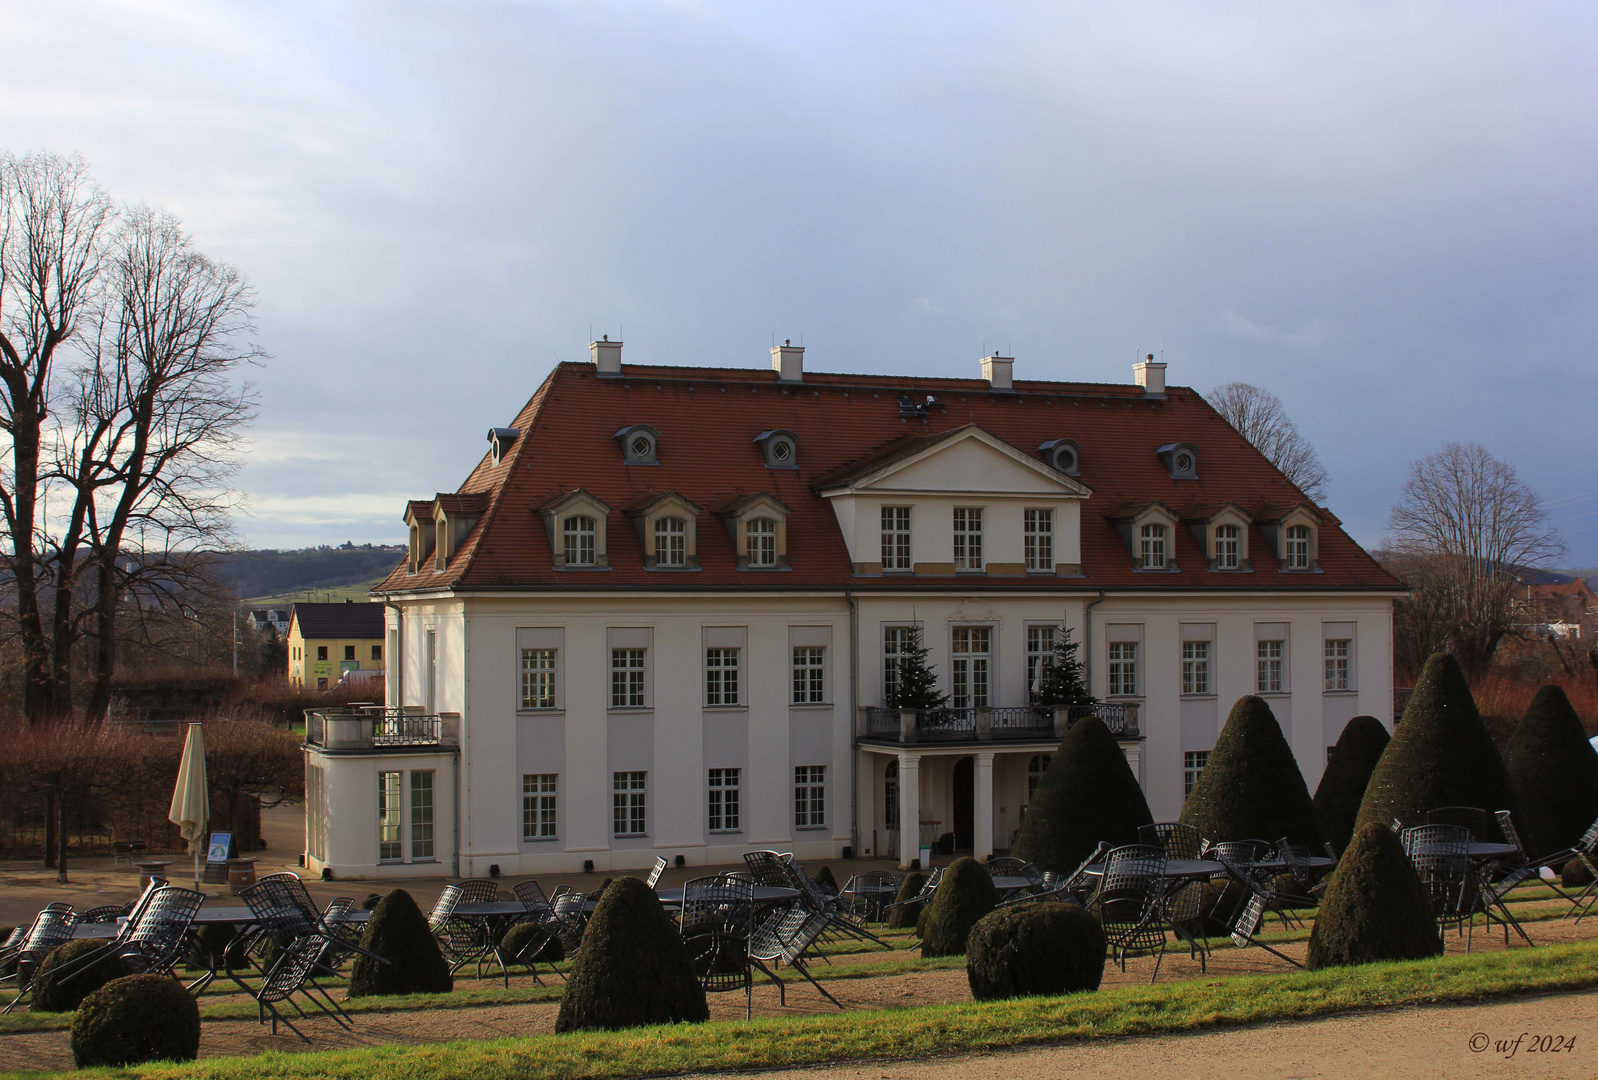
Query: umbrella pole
x=196, y=869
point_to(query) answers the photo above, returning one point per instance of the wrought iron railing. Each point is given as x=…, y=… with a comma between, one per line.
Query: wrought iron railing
x=1029, y=722
x=372, y=728
x=1121, y=719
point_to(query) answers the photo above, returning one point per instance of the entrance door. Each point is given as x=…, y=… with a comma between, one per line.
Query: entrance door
x=964, y=803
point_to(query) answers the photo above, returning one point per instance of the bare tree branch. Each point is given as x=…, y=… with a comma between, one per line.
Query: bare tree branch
x=1258, y=416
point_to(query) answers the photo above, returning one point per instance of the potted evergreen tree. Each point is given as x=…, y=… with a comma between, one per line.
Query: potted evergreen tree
x=1062, y=681
x=917, y=686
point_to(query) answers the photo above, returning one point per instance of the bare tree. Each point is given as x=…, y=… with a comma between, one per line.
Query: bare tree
x=1465, y=528
x=1259, y=417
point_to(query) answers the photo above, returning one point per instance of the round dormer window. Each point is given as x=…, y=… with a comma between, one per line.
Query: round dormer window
x=1184, y=462
x=782, y=450
x=1065, y=458
x=642, y=447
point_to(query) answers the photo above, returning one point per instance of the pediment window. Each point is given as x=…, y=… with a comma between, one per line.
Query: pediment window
x=668, y=531
x=576, y=524
x=758, y=526
x=1149, y=533
x=1296, y=537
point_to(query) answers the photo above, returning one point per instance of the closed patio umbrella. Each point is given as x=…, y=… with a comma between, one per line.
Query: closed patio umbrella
x=191, y=804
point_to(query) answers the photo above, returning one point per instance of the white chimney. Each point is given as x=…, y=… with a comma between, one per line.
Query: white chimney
x=997, y=369
x=1150, y=375
x=788, y=361
x=606, y=355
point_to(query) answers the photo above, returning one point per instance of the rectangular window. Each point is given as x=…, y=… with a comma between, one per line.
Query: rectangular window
x=627, y=678
x=1337, y=664
x=578, y=541
x=1227, y=544
x=389, y=847
x=671, y=542
x=1298, y=547
x=1039, y=655
x=896, y=538
x=377, y=652
x=895, y=643
x=762, y=534
x=628, y=791
x=538, y=678
x=1269, y=677
x=721, y=676
x=1193, y=762
x=538, y=806
x=1152, y=547
x=1195, y=667
x=809, y=796
x=971, y=654
x=809, y=675
x=349, y=652
x=968, y=538
x=321, y=652
x=1039, y=540
x=723, y=799
x=422, y=814
x=1123, y=668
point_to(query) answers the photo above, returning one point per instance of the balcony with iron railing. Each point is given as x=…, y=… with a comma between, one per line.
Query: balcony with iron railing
x=1023, y=723
x=376, y=728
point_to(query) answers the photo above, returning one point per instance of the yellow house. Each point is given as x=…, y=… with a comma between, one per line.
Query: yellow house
x=327, y=640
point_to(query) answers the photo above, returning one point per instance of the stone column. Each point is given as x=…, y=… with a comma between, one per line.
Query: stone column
x=909, y=809
x=982, y=806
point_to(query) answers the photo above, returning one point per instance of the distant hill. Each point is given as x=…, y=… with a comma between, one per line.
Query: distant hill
x=283, y=576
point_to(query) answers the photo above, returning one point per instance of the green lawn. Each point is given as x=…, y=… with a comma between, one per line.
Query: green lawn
x=936, y=1030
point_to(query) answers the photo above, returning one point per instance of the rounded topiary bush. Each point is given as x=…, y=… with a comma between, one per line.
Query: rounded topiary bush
x=523, y=936
x=1441, y=755
x=1375, y=907
x=1251, y=785
x=902, y=917
x=1034, y=949
x=632, y=969
x=965, y=894
x=399, y=933
x=1342, y=786
x=210, y=945
x=1553, y=771
x=1575, y=875
x=825, y=879
x=52, y=996
x=1087, y=794
x=134, y=1019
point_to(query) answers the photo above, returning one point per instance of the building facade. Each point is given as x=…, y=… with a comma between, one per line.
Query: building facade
x=662, y=618
x=327, y=640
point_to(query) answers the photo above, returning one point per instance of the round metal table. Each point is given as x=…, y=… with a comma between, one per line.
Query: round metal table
x=1176, y=868
x=764, y=895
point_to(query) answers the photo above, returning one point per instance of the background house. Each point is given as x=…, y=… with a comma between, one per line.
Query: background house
x=326, y=640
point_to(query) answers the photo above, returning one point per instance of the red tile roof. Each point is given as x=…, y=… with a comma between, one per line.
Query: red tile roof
x=708, y=419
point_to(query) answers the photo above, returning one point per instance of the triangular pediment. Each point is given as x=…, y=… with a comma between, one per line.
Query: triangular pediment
x=966, y=460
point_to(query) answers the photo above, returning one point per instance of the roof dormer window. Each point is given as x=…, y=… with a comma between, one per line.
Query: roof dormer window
x=758, y=526
x=1228, y=547
x=1181, y=460
x=499, y=442
x=579, y=540
x=1063, y=455
x=576, y=527
x=668, y=531
x=671, y=542
x=640, y=444
x=780, y=447
x=1298, y=546
x=762, y=543
x=1149, y=533
x=1295, y=535
x=1151, y=546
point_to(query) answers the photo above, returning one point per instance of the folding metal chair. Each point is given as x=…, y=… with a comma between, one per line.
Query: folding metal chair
x=868, y=891
x=929, y=888
x=655, y=871
x=1441, y=856
x=767, y=868
x=1177, y=839
x=718, y=921
x=1131, y=903
x=1471, y=818
x=51, y=927
x=1244, y=923
x=784, y=938
x=294, y=973
x=1586, y=851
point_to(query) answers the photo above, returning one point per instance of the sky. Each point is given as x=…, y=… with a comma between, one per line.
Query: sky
x=1384, y=213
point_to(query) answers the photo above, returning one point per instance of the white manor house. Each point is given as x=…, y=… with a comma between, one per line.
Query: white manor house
x=661, y=615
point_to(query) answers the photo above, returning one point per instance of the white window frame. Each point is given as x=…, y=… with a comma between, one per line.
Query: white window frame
x=1270, y=671
x=580, y=540
x=971, y=667
x=724, y=800
x=809, y=675
x=722, y=680
x=1039, y=653
x=760, y=538
x=540, y=806
x=1228, y=547
x=1152, y=552
x=1123, y=658
x=1196, y=669
x=539, y=669
x=629, y=804
x=1038, y=540
x=896, y=538
x=1193, y=762
x=671, y=541
x=1298, y=547
x=894, y=638
x=809, y=796
x=1338, y=673
x=629, y=678
x=968, y=555
x=390, y=816
x=422, y=814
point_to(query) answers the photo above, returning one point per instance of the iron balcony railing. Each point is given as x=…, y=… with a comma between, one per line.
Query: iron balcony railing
x=375, y=728
x=1025, y=722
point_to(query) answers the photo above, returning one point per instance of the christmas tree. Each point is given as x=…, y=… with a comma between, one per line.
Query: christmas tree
x=1063, y=680
x=918, y=684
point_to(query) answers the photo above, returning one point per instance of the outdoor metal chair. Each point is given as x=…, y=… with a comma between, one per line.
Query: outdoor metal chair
x=1506, y=874
x=1470, y=818
x=1441, y=856
x=1177, y=839
x=158, y=937
x=134, y=913
x=461, y=940
x=718, y=921
x=1131, y=903
x=867, y=891
x=294, y=973
x=784, y=938
x=1295, y=865
x=928, y=889
x=1243, y=924
x=105, y=913
x=1586, y=851
x=767, y=868
x=50, y=928
x=568, y=919
x=840, y=922
x=655, y=871
x=1010, y=866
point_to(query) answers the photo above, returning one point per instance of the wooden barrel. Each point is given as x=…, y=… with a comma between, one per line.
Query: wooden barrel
x=240, y=874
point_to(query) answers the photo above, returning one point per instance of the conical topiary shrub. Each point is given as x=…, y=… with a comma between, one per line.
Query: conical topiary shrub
x=1441, y=755
x=1034, y=949
x=52, y=996
x=964, y=896
x=905, y=915
x=528, y=938
x=1251, y=787
x=399, y=933
x=825, y=879
x=1375, y=907
x=1553, y=771
x=1087, y=794
x=1342, y=785
x=632, y=969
